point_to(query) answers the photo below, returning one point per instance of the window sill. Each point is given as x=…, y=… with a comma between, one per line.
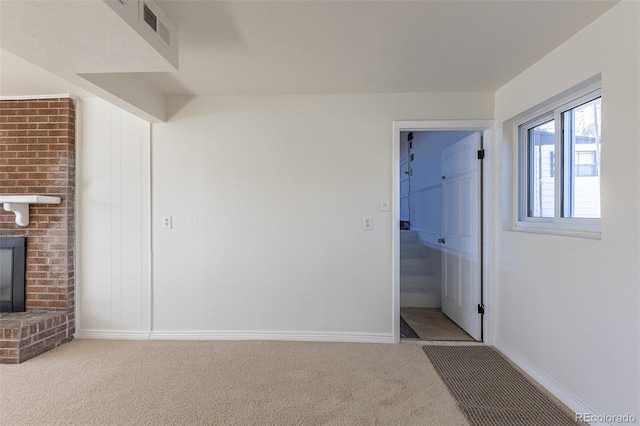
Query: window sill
x=562, y=229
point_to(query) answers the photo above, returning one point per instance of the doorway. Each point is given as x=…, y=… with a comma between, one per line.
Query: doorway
x=438, y=249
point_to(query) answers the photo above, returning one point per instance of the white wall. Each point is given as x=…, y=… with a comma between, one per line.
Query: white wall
x=113, y=256
x=267, y=196
x=567, y=308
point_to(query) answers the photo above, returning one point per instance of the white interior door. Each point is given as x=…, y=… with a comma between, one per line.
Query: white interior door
x=461, y=237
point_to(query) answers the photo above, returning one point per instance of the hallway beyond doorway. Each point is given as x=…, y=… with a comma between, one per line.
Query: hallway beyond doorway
x=440, y=244
x=432, y=325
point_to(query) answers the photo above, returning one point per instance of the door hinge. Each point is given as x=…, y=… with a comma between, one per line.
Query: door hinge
x=412, y=157
x=410, y=136
x=480, y=154
x=410, y=145
x=481, y=309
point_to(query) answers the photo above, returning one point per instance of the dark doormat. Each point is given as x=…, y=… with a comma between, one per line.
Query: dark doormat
x=492, y=392
x=406, y=332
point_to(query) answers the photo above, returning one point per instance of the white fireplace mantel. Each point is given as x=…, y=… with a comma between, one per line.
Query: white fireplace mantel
x=19, y=204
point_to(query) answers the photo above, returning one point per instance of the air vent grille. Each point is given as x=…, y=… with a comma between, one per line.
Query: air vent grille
x=150, y=18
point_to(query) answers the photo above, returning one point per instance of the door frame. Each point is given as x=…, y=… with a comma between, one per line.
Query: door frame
x=486, y=127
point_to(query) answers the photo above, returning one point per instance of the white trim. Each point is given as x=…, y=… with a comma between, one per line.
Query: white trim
x=548, y=229
x=395, y=226
x=488, y=232
x=276, y=335
x=77, y=209
x=551, y=110
x=149, y=217
x=486, y=127
x=442, y=343
x=36, y=97
x=566, y=397
x=420, y=125
x=113, y=334
x=301, y=336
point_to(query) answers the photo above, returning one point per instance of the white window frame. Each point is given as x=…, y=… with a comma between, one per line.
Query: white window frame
x=558, y=225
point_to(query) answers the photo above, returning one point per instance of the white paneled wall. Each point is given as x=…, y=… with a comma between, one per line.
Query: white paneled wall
x=113, y=192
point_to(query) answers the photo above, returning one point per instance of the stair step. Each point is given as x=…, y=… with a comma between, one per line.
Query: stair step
x=412, y=251
x=420, y=283
x=420, y=279
x=415, y=266
x=409, y=237
x=420, y=300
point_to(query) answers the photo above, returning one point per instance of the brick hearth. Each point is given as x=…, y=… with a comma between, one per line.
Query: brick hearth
x=28, y=334
x=37, y=156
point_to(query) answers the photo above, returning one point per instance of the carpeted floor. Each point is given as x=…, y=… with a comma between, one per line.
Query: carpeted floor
x=106, y=382
x=490, y=391
x=432, y=324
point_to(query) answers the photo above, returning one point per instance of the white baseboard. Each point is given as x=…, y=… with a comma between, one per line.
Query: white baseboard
x=113, y=334
x=565, y=396
x=301, y=336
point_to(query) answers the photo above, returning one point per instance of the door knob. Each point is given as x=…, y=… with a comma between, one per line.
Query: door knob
x=441, y=240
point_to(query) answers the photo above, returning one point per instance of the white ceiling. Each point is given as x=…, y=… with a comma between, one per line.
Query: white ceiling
x=275, y=47
x=297, y=47
x=21, y=78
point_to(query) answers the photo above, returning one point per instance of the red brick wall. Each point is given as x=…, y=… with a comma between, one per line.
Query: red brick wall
x=37, y=156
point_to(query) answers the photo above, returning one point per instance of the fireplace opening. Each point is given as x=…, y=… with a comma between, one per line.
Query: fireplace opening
x=13, y=259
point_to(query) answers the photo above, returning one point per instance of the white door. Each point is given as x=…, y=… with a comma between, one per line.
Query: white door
x=461, y=237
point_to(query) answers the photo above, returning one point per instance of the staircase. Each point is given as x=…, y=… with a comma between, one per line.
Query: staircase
x=420, y=278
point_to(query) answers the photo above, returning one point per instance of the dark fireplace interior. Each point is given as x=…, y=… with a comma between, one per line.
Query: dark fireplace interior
x=13, y=258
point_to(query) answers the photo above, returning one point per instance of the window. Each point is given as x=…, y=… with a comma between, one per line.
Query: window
x=559, y=165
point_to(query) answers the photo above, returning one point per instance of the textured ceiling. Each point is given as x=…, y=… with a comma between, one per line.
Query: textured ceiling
x=32, y=80
x=81, y=36
x=274, y=47
x=289, y=47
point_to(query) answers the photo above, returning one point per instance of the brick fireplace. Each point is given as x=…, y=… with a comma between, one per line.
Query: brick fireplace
x=37, y=156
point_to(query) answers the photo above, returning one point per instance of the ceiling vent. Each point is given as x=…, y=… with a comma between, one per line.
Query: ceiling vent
x=155, y=24
x=146, y=17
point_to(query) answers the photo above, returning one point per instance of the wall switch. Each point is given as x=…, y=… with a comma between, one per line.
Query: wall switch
x=167, y=222
x=367, y=223
x=384, y=204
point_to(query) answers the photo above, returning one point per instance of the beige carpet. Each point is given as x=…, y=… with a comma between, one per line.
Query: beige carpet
x=432, y=324
x=99, y=382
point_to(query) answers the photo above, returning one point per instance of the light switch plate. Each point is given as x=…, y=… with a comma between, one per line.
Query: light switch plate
x=384, y=204
x=167, y=222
